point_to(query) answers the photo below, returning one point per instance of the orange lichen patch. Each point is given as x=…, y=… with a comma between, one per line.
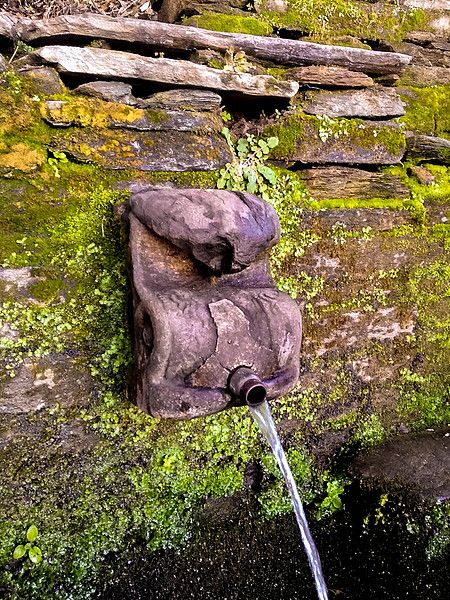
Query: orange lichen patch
x=22, y=158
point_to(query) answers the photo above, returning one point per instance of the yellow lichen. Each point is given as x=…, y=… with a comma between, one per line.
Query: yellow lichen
x=22, y=157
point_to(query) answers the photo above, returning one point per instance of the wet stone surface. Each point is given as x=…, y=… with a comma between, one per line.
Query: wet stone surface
x=420, y=462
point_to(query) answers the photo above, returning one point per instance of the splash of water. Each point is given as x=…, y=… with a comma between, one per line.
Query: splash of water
x=262, y=415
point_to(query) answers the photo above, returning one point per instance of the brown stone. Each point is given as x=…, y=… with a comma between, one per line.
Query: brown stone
x=328, y=77
x=111, y=91
x=422, y=175
x=192, y=331
x=162, y=35
x=7, y=27
x=44, y=80
x=183, y=100
x=421, y=76
x=3, y=64
x=429, y=147
x=370, y=103
x=115, y=64
x=342, y=182
x=337, y=142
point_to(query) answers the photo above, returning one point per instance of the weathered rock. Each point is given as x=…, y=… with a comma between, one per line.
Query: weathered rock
x=192, y=331
x=20, y=157
x=60, y=113
x=15, y=282
x=421, y=76
x=355, y=328
x=420, y=462
x=324, y=141
x=280, y=6
x=145, y=151
x=341, y=182
x=7, y=27
x=328, y=77
x=422, y=175
x=183, y=100
x=50, y=381
x=429, y=147
x=421, y=38
x=3, y=64
x=435, y=54
x=45, y=80
x=161, y=35
x=372, y=103
x=112, y=63
x=112, y=91
x=428, y=4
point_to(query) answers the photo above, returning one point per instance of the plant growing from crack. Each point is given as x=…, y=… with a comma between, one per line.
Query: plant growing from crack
x=247, y=170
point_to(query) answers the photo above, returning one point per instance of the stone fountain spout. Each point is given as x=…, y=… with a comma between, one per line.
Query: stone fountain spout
x=206, y=311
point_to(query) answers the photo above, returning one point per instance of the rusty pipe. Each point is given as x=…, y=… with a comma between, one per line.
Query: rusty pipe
x=247, y=386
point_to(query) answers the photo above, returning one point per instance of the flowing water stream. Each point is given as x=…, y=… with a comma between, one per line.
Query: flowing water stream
x=262, y=415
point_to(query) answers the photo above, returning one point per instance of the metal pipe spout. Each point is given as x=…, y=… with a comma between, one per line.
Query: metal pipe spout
x=247, y=386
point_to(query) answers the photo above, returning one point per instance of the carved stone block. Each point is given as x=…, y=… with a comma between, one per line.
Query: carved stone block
x=204, y=301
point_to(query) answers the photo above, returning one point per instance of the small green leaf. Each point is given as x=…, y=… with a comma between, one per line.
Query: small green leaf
x=35, y=554
x=32, y=533
x=272, y=142
x=19, y=551
x=268, y=174
x=221, y=183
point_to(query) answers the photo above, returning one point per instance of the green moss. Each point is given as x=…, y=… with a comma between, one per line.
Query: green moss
x=296, y=129
x=427, y=110
x=229, y=23
x=325, y=18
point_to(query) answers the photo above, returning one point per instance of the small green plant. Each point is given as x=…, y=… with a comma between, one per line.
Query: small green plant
x=34, y=552
x=235, y=62
x=247, y=171
x=332, y=501
x=57, y=159
x=225, y=116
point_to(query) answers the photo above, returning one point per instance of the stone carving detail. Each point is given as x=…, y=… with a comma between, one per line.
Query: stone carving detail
x=204, y=301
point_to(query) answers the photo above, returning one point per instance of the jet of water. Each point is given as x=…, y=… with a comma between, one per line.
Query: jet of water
x=263, y=417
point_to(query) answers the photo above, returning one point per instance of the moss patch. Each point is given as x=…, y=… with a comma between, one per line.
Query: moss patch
x=427, y=110
x=229, y=23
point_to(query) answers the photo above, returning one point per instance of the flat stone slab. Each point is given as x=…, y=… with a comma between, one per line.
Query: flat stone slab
x=61, y=113
x=377, y=102
x=420, y=462
x=162, y=35
x=111, y=91
x=344, y=182
x=326, y=76
x=125, y=65
x=183, y=99
x=145, y=150
x=311, y=140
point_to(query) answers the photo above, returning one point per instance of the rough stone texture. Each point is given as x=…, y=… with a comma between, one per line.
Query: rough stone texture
x=145, y=151
x=342, y=182
x=7, y=27
x=329, y=77
x=45, y=80
x=115, y=64
x=61, y=113
x=191, y=331
x=184, y=99
x=423, y=76
x=3, y=64
x=429, y=147
x=428, y=4
x=363, y=146
x=112, y=91
x=420, y=462
x=434, y=54
x=47, y=382
x=162, y=35
x=372, y=103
